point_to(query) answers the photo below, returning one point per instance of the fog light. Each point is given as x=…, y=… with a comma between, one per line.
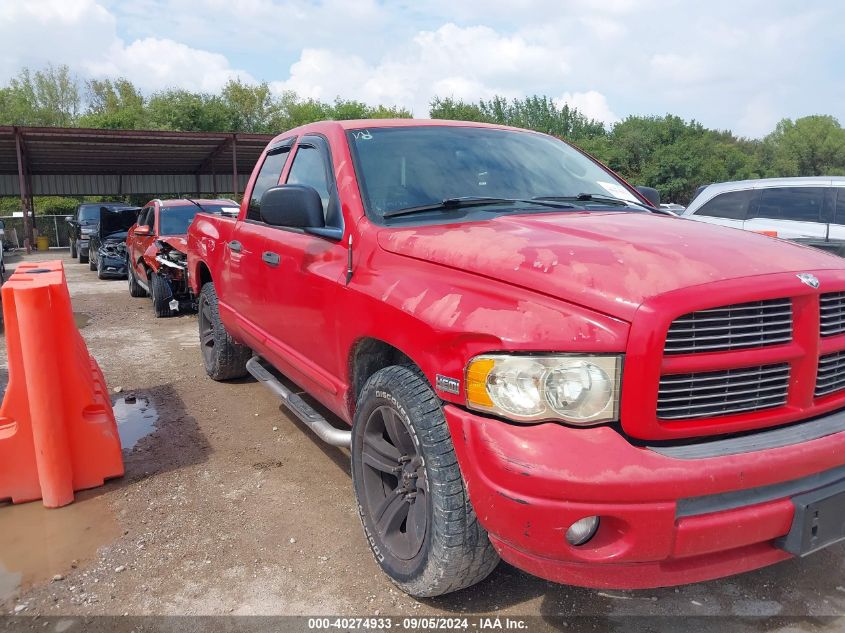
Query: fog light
x=582, y=530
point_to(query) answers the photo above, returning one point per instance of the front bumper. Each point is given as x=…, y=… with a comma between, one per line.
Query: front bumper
x=528, y=484
x=112, y=267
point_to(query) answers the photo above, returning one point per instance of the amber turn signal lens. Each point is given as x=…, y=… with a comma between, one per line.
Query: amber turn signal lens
x=476, y=382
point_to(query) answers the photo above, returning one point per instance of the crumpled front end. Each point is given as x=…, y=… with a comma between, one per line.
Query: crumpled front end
x=172, y=264
x=111, y=259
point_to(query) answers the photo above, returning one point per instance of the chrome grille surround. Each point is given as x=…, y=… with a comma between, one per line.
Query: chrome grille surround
x=724, y=392
x=738, y=326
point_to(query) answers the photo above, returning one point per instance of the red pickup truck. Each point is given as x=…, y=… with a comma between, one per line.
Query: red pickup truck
x=534, y=362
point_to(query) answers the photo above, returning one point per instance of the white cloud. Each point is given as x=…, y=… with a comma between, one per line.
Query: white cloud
x=591, y=103
x=83, y=35
x=728, y=64
x=156, y=63
x=462, y=62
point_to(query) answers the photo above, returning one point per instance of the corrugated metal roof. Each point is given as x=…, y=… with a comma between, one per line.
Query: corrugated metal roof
x=79, y=161
x=111, y=185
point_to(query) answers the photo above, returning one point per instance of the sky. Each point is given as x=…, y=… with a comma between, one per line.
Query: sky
x=738, y=65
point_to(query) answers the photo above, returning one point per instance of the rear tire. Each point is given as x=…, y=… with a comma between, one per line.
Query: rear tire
x=161, y=295
x=135, y=289
x=222, y=356
x=412, y=499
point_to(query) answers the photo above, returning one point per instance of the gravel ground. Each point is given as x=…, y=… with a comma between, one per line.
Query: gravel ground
x=231, y=507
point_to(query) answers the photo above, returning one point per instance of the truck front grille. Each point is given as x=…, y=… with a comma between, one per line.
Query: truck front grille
x=743, y=325
x=717, y=393
x=831, y=374
x=832, y=313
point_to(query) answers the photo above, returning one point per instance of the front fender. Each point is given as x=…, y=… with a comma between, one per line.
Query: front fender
x=440, y=318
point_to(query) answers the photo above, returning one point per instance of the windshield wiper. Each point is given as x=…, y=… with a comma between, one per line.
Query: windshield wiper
x=471, y=201
x=201, y=208
x=598, y=197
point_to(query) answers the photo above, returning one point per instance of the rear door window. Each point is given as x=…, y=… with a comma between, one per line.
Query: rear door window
x=799, y=204
x=732, y=205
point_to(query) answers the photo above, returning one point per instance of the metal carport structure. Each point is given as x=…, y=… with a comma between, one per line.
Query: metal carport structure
x=36, y=161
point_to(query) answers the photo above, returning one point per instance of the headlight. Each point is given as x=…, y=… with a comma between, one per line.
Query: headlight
x=578, y=389
x=88, y=230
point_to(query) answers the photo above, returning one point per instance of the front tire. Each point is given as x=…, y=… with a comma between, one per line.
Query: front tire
x=83, y=257
x=135, y=289
x=73, y=250
x=100, y=268
x=412, y=500
x=92, y=262
x=161, y=295
x=222, y=356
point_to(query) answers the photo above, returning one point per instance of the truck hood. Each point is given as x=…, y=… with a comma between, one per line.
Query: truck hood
x=609, y=262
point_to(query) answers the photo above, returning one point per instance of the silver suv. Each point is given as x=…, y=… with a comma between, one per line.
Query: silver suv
x=806, y=210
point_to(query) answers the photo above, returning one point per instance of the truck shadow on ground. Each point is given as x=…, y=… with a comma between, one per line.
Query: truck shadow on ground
x=795, y=595
x=340, y=457
x=170, y=441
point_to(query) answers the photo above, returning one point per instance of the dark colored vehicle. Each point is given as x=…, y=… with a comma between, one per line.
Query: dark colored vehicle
x=107, y=245
x=535, y=364
x=156, y=247
x=83, y=224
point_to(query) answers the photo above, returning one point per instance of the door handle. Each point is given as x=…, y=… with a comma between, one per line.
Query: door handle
x=235, y=246
x=269, y=258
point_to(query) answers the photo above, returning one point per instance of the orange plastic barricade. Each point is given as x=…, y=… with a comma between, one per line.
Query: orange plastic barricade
x=57, y=428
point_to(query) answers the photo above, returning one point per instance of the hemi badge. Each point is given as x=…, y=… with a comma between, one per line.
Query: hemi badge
x=448, y=385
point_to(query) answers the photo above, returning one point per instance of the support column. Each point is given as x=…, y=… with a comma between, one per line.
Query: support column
x=235, y=165
x=22, y=185
x=213, y=178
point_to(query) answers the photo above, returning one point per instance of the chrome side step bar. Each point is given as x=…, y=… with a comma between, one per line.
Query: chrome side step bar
x=298, y=406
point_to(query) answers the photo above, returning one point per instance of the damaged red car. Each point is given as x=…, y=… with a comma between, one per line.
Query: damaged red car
x=156, y=251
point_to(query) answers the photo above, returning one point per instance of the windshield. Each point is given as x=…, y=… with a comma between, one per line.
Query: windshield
x=89, y=213
x=401, y=168
x=176, y=220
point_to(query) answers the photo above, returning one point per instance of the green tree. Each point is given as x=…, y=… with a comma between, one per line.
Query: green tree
x=449, y=108
x=48, y=97
x=114, y=104
x=809, y=146
x=187, y=111
x=538, y=113
x=251, y=108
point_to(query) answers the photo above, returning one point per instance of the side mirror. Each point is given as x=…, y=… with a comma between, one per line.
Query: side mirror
x=69, y=219
x=651, y=194
x=142, y=229
x=296, y=206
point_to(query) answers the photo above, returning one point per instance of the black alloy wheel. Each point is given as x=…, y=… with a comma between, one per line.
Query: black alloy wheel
x=394, y=483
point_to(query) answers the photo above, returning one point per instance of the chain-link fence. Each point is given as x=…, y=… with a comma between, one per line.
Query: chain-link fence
x=54, y=227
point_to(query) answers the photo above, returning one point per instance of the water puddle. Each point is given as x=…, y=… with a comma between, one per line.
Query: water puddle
x=136, y=418
x=81, y=319
x=39, y=543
